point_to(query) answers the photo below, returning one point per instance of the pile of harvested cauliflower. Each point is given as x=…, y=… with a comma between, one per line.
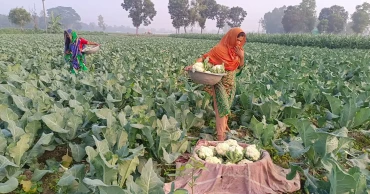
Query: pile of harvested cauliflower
x=229, y=153
x=208, y=68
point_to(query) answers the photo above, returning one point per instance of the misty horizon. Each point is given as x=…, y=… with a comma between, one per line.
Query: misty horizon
x=115, y=15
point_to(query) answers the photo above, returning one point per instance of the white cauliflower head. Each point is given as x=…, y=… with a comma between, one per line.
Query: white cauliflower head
x=205, y=152
x=198, y=66
x=245, y=161
x=235, y=154
x=222, y=148
x=252, y=153
x=238, y=149
x=213, y=148
x=214, y=160
x=231, y=142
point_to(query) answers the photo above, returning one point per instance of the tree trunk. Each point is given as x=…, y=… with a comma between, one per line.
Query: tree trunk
x=218, y=31
x=185, y=29
x=137, y=30
x=46, y=24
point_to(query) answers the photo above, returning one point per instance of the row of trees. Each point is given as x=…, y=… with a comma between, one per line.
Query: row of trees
x=57, y=17
x=184, y=14
x=302, y=19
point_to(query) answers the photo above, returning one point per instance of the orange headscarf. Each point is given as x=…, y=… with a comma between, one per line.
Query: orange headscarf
x=224, y=51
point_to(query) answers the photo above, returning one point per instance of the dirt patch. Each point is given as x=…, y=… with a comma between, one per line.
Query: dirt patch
x=243, y=132
x=233, y=117
x=50, y=181
x=362, y=142
x=57, y=154
x=283, y=160
x=28, y=174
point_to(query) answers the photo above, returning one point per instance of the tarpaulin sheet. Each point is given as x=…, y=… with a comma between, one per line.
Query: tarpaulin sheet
x=260, y=177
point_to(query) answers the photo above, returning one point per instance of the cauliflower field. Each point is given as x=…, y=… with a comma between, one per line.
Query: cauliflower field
x=119, y=127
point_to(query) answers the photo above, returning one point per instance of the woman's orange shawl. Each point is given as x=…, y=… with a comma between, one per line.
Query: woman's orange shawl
x=224, y=51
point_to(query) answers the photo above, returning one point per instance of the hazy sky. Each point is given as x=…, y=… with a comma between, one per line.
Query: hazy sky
x=115, y=15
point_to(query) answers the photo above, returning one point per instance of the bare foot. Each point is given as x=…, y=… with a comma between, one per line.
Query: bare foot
x=221, y=137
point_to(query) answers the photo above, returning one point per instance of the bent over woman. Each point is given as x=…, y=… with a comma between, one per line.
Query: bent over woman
x=73, y=54
x=230, y=52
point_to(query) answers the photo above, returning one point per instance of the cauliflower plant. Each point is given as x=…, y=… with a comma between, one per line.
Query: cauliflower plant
x=214, y=160
x=205, y=152
x=222, y=148
x=199, y=66
x=252, y=153
x=245, y=161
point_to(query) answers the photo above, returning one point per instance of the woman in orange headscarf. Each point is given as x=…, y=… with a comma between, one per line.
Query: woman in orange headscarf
x=229, y=51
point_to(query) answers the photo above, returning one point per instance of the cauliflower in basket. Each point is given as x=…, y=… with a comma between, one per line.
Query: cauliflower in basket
x=222, y=148
x=218, y=69
x=245, y=161
x=252, y=153
x=232, y=142
x=205, y=152
x=238, y=149
x=214, y=160
x=235, y=154
x=213, y=148
x=199, y=66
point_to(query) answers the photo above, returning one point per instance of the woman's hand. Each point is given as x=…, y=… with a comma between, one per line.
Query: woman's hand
x=188, y=68
x=239, y=52
x=93, y=43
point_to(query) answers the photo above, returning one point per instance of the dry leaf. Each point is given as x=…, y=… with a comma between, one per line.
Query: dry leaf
x=26, y=186
x=66, y=161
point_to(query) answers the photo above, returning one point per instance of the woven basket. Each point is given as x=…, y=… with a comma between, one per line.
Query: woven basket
x=205, y=78
x=91, y=50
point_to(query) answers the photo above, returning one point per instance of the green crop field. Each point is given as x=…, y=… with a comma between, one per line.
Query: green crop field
x=320, y=41
x=119, y=127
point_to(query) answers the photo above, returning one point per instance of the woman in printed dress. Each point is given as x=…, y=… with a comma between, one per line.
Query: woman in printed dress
x=73, y=46
x=230, y=52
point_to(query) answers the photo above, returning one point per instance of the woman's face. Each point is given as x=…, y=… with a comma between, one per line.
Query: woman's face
x=239, y=40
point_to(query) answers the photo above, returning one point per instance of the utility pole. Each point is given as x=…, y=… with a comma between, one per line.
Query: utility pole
x=46, y=24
